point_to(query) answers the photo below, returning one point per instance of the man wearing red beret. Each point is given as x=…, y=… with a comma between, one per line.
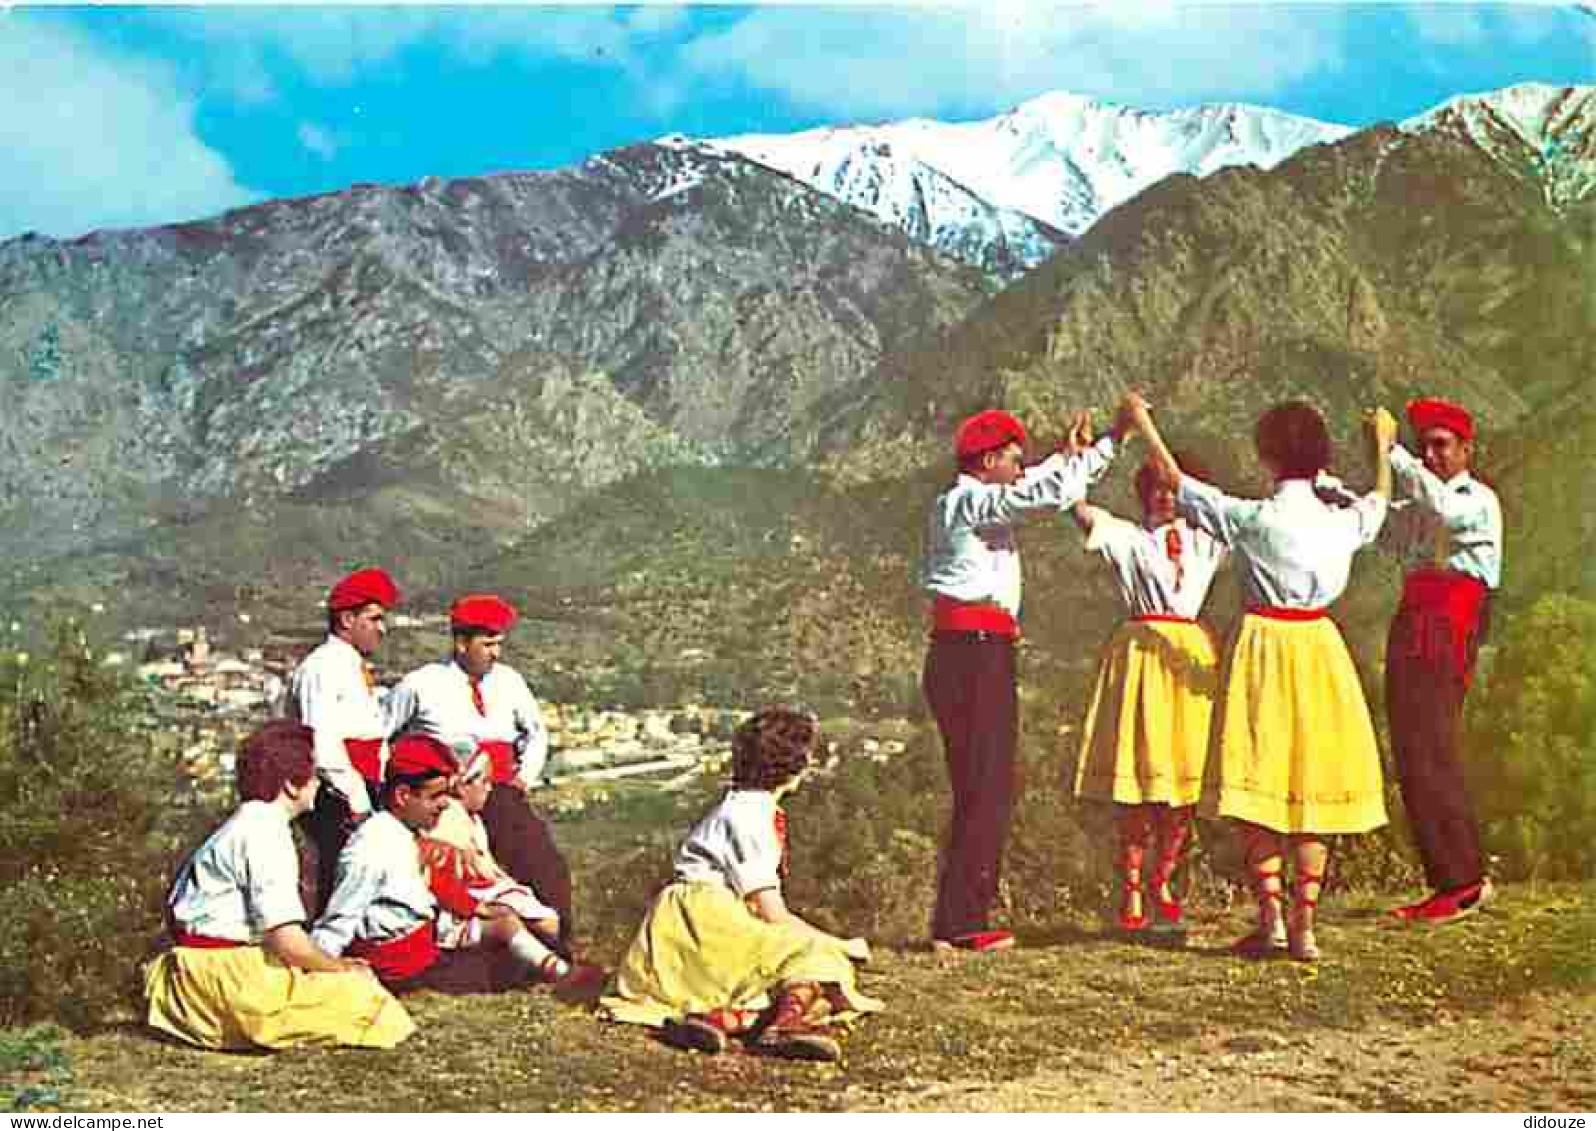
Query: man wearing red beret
x=329, y=692
x=972, y=572
x=384, y=908
x=1449, y=529
x=473, y=700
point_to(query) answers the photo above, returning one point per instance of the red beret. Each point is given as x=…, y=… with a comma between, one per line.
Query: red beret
x=417, y=754
x=985, y=431
x=363, y=587
x=1428, y=412
x=482, y=610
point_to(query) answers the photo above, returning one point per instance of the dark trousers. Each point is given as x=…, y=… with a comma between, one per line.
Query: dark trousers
x=1424, y=705
x=470, y=970
x=327, y=828
x=969, y=682
x=523, y=844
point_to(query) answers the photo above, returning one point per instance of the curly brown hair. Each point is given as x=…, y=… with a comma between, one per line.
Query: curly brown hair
x=1292, y=436
x=276, y=754
x=772, y=747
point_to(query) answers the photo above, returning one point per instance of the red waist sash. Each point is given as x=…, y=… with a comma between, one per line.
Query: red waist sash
x=204, y=942
x=400, y=959
x=1280, y=612
x=1443, y=608
x=365, y=755
x=1160, y=618
x=501, y=755
x=950, y=615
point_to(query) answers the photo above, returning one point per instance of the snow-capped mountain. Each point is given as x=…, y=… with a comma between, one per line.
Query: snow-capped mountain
x=1549, y=131
x=1051, y=166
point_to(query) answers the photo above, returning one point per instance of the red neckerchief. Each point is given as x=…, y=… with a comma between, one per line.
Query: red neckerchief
x=1172, y=547
x=781, y=841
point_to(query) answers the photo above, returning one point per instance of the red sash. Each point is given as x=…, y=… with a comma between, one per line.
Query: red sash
x=1160, y=618
x=365, y=755
x=204, y=942
x=502, y=757
x=399, y=960
x=949, y=615
x=1280, y=612
x=1443, y=607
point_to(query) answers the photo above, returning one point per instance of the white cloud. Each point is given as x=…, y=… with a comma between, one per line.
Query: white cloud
x=319, y=141
x=985, y=58
x=94, y=140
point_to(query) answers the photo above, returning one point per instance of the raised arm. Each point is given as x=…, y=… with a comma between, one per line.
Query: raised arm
x=1382, y=434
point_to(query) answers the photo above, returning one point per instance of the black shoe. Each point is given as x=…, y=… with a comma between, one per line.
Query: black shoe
x=696, y=1033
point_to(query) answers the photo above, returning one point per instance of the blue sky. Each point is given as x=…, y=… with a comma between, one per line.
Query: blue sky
x=121, y=116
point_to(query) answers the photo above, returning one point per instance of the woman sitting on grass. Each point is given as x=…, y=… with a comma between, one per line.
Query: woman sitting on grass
x=719, y=953
x=465, y=877
x=245, y=974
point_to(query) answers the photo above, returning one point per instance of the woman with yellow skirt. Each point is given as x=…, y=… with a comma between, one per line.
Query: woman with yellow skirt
x=719, y=953
x=1294, y=757
x=1145, y=738
x=244, y=973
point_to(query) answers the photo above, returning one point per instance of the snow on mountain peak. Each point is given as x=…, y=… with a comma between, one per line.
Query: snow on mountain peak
x=1550, y=128
x=1055, y=163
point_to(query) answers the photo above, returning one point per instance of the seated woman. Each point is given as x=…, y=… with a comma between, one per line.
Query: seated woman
x=1145, y=738
x=244, y=973
x=458, y=860
x=719, y=952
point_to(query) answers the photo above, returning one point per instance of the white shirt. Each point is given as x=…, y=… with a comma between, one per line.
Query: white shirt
x=243, y=881
x=735, y=844
x=1461, y=515
x=328, y=693
x=1294, y=550
x=435, y=700
x=1148, y=580
x=971, y=553
x=381, y=893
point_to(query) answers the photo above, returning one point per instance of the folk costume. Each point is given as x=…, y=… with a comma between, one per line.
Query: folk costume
x=701, y=951
x=458, y=857
x=1145, y=739
x=1450, y=533
x=331, y=693
x=499, y=714
x=220, y=989
x=1294, y=748
x=384, y=910
x=972, y=571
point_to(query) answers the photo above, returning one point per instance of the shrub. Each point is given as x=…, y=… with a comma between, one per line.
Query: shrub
x=1531, y=742
x=93, y=819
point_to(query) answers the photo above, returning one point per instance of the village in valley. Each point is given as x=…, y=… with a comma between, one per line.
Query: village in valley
x=211, y=696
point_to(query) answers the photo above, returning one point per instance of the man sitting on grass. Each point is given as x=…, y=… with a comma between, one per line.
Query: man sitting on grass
x=384, y=909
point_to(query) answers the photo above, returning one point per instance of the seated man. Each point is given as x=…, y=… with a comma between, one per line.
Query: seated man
x=244, y=973
x=383, y=908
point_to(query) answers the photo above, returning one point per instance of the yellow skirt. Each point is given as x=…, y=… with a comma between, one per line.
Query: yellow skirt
x=1294, y=746
x=700, y=949
x=241, y=998
x=1146, y=733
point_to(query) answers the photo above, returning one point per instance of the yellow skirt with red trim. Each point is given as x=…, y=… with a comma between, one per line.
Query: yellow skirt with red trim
x=243, y=998
x=1294, y=747
x=1147, y=730
x=700, y=949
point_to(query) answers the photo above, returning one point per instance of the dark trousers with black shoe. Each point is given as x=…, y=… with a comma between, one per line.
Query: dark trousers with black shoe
x=1424, y=692
x=523, y=844
x=969, y=682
